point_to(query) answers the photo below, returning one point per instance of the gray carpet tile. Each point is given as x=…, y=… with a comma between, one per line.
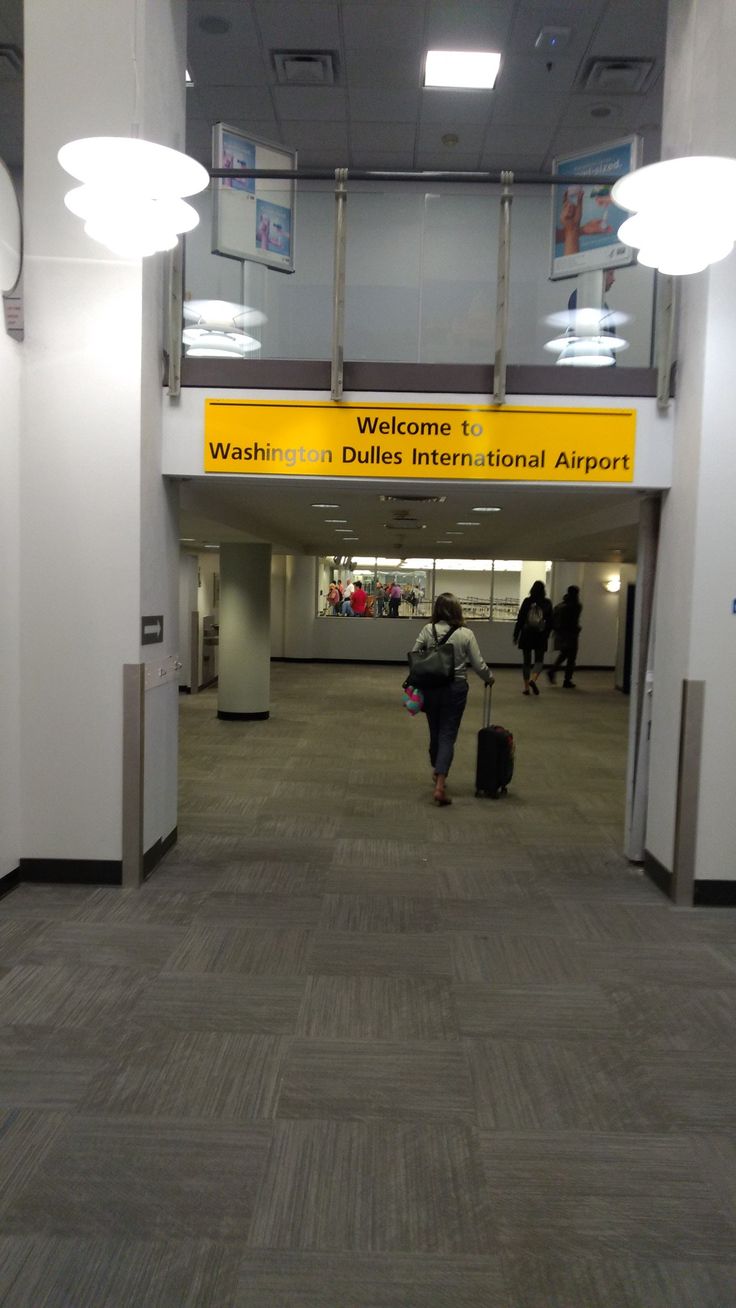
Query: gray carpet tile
x=284, y=1279
x=237, y=950
x=262, y=910
x=208, y=1075
x=25, y=1138
x=125, y=944
x=141, y=1178
x=180, y=1001
x=373, y=1186
x=45, y=1069
x=396, y=954
x=67, y=995
x=567, y=1012
x=537, y=1280
x=347, y=1079
x=378, y=1008
x=378, y=913
x=67, y=1272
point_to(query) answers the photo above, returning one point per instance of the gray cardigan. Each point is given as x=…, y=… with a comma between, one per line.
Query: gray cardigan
x=465, y=648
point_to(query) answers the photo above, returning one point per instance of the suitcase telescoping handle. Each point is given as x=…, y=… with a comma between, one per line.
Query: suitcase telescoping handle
x=487, y=704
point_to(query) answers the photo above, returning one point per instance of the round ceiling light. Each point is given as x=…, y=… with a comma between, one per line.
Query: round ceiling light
x=669, y=235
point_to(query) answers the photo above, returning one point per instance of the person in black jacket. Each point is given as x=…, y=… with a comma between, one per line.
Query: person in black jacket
x=566, y=627
x=531, y=634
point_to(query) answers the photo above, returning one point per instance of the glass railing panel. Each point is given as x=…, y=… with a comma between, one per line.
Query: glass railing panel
x=284, y=315
x=542, y=310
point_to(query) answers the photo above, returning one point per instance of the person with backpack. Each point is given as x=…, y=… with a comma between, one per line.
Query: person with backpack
x=566, y=628
x=531, y=634
x=444, y=705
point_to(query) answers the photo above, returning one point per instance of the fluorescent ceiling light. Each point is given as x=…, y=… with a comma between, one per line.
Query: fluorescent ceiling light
x=471, y=69
x=187, y=540
x=454, y=533
x=325, y=506
x=335, y=519
x=468, y=524
x=482, y=509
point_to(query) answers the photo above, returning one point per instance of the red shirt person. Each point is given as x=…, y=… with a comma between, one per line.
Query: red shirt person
x=357, y=600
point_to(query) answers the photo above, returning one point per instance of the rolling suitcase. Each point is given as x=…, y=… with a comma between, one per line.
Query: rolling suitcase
x=495, y=766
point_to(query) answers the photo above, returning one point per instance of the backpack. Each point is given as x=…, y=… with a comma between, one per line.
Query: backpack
x=535, y=620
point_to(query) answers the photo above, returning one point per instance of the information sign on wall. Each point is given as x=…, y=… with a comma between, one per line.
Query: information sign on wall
x=585, y=221
x=450, y=442
x=252, y=218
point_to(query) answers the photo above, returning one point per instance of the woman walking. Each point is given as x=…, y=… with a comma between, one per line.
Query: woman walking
x=531, y=633
x=445, y=705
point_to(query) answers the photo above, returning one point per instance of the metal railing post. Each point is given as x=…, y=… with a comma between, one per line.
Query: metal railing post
x=338, y=285
x=666, y=308
x=502, y=290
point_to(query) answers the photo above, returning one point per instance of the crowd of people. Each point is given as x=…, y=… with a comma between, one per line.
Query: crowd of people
x=351, y=600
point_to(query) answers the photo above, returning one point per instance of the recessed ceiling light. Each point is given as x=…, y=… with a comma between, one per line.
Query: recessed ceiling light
x=335, y=519
x=325, y=506
x=454, y=533
x=473, y=69
x=468, y=524
x=484, y=509
x=443, y=542
x=351, y=538
x=187, y=540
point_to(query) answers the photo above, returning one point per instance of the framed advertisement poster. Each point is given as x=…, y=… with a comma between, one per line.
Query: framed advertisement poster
x=252, y=218
x=585, y=221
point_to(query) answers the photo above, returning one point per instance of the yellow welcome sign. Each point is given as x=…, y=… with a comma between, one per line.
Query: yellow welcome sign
x=452, y=442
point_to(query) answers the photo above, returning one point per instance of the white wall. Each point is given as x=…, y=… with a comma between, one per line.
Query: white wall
x=10, y=384
x=374, y=640
x=187, y=606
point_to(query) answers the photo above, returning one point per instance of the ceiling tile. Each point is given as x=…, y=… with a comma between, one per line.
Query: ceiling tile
x=522, y=140
x=459, y=25
x=386, y=107
x=445, y=106
x=311, y=103
x=319, y=136
x=383, y=67
x=632, y=27
x=525, y=91
x=383, y=21
x=530, y=18
x=495, y=158
x=384, y=136
x=232, y=57
x=225, y=103
x=389, y=160
x=471, y=136
x=298, y=24
x=447, y=161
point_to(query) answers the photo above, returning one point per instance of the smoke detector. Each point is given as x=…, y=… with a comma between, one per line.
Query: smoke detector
x=305, y=67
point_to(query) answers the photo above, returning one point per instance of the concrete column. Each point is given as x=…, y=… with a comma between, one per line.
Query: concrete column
x=695, y=622
x=244, y=688
x=98, y=525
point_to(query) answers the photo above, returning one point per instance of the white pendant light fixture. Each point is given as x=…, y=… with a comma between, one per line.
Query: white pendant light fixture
x=213, y=329
x=683, y=212
x=131, y=197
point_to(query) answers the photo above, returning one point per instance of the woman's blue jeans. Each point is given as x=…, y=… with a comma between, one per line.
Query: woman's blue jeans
x=444, y=706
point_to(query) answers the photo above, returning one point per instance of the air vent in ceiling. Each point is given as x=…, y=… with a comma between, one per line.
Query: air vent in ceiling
x=11, y=62
x=305, y=67
x=413, y=499
x=617, y=76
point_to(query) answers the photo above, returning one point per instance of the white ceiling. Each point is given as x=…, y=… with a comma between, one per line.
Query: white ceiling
x=377, y=115
x=584, y=523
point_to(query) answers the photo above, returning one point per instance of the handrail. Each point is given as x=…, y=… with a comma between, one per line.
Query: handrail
x=411, y=175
